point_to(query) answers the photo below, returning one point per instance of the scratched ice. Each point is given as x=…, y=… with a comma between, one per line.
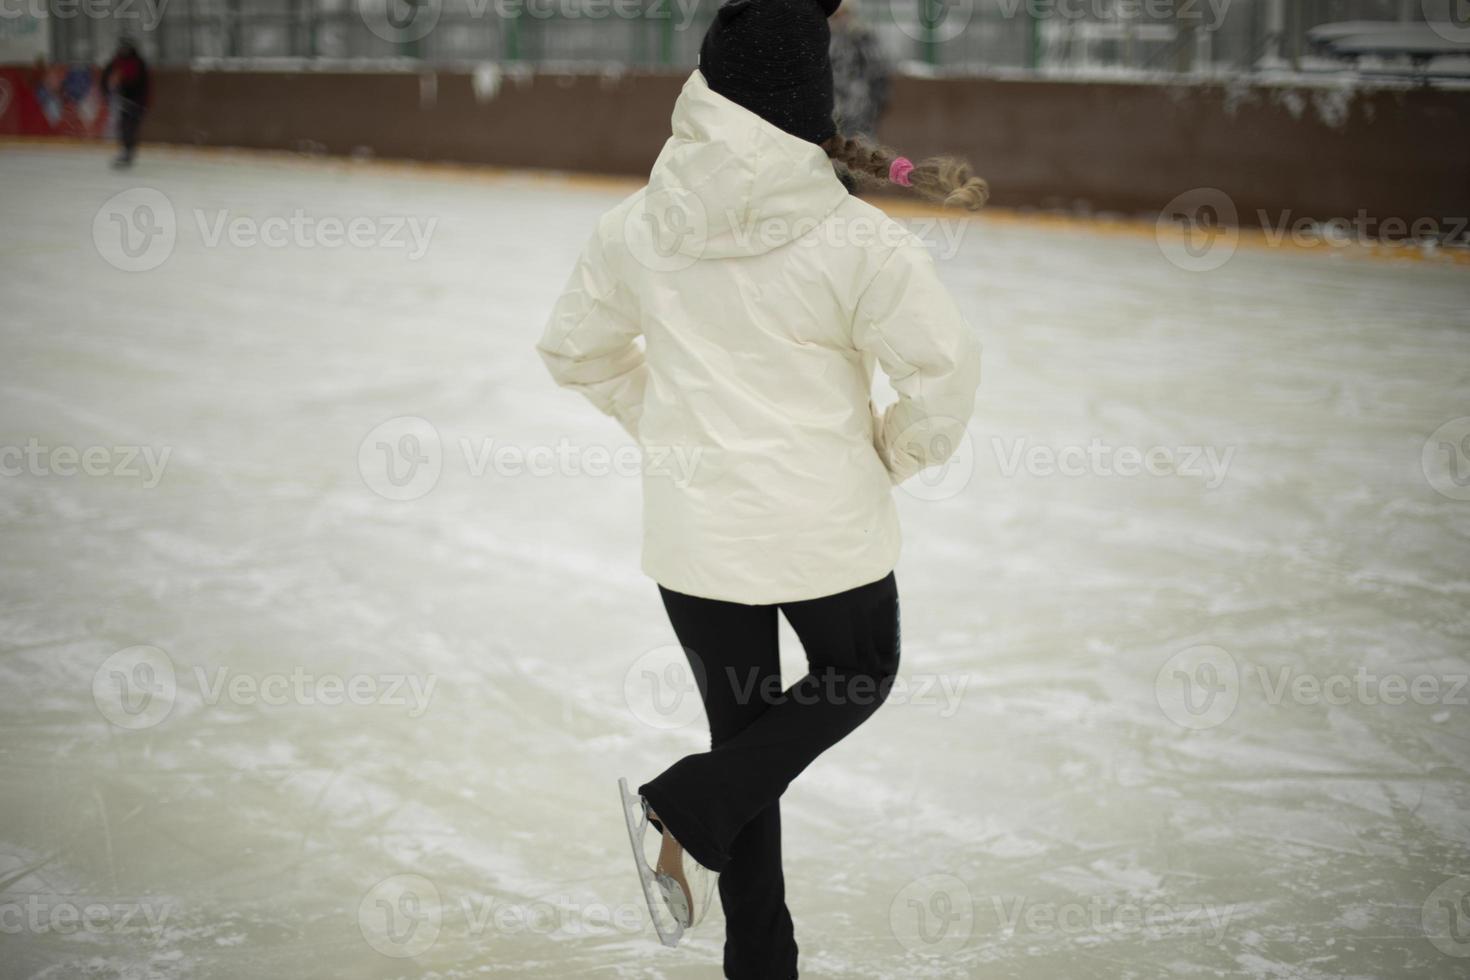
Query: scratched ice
x=323, y=641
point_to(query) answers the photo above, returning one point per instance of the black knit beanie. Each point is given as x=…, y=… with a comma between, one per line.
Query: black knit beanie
x=771, y=56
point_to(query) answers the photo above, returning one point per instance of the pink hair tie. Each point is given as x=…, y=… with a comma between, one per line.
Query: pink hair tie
x=899, y=171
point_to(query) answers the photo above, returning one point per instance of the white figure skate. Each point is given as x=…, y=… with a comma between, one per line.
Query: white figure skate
x=677, y=888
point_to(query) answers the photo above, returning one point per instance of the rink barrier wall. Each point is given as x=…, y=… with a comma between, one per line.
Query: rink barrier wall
x=1280, y=154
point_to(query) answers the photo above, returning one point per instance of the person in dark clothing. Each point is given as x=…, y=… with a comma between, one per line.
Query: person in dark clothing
x=726, y=802
x=125, y=78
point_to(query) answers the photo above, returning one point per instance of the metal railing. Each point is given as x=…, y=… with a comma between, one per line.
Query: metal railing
x=952, y=36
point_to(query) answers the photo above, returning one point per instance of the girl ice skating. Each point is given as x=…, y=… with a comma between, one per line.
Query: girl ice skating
x=765, y=294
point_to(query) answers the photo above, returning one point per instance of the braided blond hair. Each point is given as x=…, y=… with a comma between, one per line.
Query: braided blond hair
x=946, y=180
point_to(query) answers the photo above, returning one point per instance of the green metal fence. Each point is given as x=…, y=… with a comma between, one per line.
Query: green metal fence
x=958, y=36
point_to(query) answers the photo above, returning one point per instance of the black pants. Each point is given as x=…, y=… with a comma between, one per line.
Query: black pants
x=723, y=805
x=129, y=121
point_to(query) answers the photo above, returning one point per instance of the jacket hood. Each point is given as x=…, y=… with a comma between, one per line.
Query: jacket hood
x=728, y=183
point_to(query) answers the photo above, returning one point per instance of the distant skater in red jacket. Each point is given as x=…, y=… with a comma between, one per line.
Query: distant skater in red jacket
x=126, y=79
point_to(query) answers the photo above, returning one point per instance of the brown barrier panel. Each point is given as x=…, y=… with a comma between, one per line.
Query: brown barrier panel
x=1290, y=152
x=590, y=123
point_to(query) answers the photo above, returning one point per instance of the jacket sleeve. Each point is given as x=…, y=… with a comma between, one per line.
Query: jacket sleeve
x=908, y=322
x=590, y=342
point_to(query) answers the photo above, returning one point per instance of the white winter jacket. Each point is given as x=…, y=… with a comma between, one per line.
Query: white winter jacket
x=764, y=293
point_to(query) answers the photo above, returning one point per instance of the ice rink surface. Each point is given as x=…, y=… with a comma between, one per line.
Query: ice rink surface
x=1199, y=716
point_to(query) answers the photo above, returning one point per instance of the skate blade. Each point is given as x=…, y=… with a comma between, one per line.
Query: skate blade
x=635, y=816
